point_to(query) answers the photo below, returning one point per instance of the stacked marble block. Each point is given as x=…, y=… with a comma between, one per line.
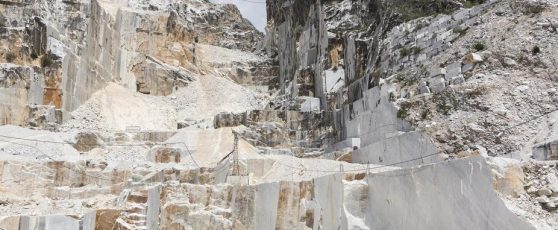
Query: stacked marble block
x=439, y=78
x=280, y=128
x=416, y=42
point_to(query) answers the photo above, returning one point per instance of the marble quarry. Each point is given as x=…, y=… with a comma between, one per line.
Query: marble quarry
x=350, y=114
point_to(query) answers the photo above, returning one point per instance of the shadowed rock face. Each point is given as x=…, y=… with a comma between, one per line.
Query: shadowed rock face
x=276, y=128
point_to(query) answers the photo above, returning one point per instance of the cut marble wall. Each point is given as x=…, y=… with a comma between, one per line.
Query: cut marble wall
x=49, y=222
x=305, y=51
x=399, y=199
x=334, y=80
x=153, y=207
x=458, y=195
x=19, y=87
x=384, y=138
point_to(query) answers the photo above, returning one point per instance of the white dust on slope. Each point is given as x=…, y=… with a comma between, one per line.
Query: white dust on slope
x=116, y=108
x=211, y=95
x=22, y=143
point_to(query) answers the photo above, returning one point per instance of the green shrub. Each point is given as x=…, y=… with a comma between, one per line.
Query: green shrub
x=376, y=76
x=46, y=61
x=536, y=50
x=335, y=68
x=535, y=8
x=409, y=10
x=10, y=56
x=424, y=114
x=479, y=46
x=402, y=113
x=460, y=31
x=471, y=3
x=404, y=52
x=34, y=55
x=2, y=20
x=417, y=50
x=419, y=26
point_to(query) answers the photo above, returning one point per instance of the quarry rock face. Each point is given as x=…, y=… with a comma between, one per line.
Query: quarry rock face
x=146, y=52
x=353, y=114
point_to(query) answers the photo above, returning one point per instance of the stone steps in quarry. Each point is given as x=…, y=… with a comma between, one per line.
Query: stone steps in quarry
x=368, y=201
x=135, y=216
x=353, y=114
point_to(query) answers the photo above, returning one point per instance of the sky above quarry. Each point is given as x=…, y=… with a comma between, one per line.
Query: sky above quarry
x=253, y=10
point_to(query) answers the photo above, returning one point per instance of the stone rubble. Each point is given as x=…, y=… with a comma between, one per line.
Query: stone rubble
x=535, y=197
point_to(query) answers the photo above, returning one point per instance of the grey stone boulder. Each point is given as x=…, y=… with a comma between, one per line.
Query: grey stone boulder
x=544, y=192
x=550, y=205
x=56, y=48
x=423, y=88
x=467, y=67
x=552, y=183
x=453, y=70
x=457, y=80
x=546, y=151
x=438, y=72
x=309, y=104
x=542, y=199
x=509, y=62
x=437, y=84
x=531, y=190
x=87, y=141
x=544, y=23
